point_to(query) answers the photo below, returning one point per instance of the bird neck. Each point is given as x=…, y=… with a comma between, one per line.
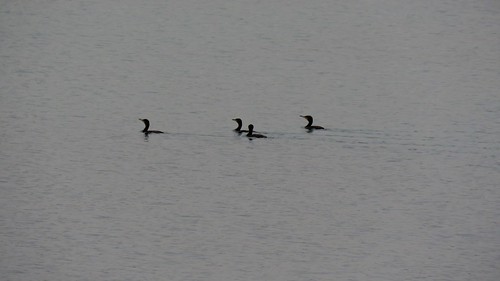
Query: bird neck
x=146, y=127
x=310, y=122
x=239, y=126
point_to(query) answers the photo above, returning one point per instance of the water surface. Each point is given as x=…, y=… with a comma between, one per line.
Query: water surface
x=403, y=184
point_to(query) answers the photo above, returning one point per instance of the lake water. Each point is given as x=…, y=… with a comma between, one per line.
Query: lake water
x=403, y=185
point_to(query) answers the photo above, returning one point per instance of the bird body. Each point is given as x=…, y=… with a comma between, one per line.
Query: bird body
x=252, y=135
x=309, y=125
x=240, y=123
x=146, y=127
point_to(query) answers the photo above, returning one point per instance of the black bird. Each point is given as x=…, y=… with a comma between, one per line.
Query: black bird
x=309, y=125
x=238, y=129
x=146, y=131
x=252, y=135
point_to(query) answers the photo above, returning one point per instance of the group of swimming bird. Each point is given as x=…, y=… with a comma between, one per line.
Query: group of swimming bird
x=250, y=133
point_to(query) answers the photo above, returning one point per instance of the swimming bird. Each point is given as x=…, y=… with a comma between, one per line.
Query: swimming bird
x=146, y=131
x=252, y=135
x=240, y=123
x=309, y=125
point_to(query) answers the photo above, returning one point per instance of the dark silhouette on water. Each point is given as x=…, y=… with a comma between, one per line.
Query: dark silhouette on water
x=309, y=125
x=146, y=127
x=240, y=123
x=252, y=135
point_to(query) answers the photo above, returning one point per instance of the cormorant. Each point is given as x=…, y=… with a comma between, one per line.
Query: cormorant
x=238, y=129
x=309, y=125
x=145, y=130
x=252, y=135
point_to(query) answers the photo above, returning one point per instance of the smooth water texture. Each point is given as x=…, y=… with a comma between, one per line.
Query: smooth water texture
x=403, y=184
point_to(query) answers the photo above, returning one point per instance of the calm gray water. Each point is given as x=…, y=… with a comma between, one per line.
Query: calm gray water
x=404, y=184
